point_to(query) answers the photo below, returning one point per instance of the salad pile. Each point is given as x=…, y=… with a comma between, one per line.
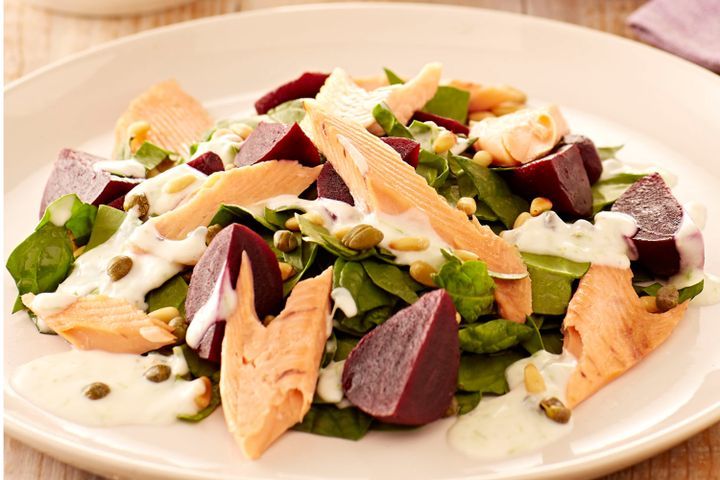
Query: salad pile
x=357, y=254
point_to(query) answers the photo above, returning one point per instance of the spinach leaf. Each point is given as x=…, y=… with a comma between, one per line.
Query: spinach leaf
x=69, y=211
x=535, y=342
x=485, y=373
x=107, y=221
x=307, y=253
x=466, y=402
x=493, y=336
x=228, y=214
x=325, y=239
x=687, y=293
x=393, y=79
x=449, y=102
x=172, y=293
x=366, y=294
x=386, y=119
x=393, y=280
x=605, y=192
x=470, y=287
x=606, y=153
x=494, y=192
x=328, y=420
x=432, y=167
x=288, y=112
x=553, y=342
x=151, y=155
x=344, y=347
x=360, y=324
x=199, y=367
x=41, y=262
x=205, y=412
x=552, y=281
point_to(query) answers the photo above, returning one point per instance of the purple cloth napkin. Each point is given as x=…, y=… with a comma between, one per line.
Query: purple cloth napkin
x=688, y=28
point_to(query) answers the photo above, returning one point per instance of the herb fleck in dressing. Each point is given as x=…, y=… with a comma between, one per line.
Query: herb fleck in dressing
x=57, y=384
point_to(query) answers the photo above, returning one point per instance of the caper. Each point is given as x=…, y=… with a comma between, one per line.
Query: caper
x=211, y=232
x=119, y=267
x=158, y=373
x=667, y=298
x=179, y=327
x=285, y=241
x=142, y=204
x=362, y=237
x=96, y=390
x=555, y=410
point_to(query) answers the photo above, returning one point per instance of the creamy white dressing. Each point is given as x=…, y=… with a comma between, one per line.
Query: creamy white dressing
x=156, y=189
x=125, y=168
x=711, y=291
x=689, y=244
x=344, y=301
x=155, y=260
x=56, y=382
x=44, y=304
x=329, y=386
x=219, y=307
x=514, y=423
x=613, y=166
x=225, y=146
x=606, y=242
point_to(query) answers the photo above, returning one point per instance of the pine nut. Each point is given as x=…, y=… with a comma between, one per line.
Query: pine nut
x=179, y=184
x=482, y=158
x=221, y=132
x=268, y=318
x=203, y=399
x=314, y=217
x=410, y=244
x=467, y=205
x=292, y=224
x=465, y=255
x=444, y=142
x=540, y=205
x=164, y=314
x=422, y=272
x=286, y=270
x=650, y=304
x=534, y=382
x=241, y=130
x=480, y=116
x=522, y=218
x=505, y=108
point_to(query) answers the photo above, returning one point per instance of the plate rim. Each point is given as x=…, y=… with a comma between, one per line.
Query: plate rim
x=102, y=460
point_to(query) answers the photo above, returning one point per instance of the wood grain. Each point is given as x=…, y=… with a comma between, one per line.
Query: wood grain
x=35, y=37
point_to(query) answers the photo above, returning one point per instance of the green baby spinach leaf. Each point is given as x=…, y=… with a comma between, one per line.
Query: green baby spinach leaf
x=328, y=420
x=151, y=155
x=449, y=102
x=687, y=293
x=69, y=211
x=228, y=214
x=606, y=153
x=305, y=255
x=366, y=294
x=393, y=79
x=466, y=402
x=386, y=119
x=321, y=236
x=485, y=373
x=493, y=336
x=432, y=167
x=470, y=287
x=552, y=281
x=172, y=293
x=289, y=112
x=107, y=222
x=345, y=345
x=392, y=279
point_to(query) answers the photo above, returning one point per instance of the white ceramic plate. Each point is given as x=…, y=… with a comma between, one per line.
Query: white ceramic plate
x=662, y=108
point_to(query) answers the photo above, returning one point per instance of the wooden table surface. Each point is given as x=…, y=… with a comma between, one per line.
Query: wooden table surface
x=35, y=37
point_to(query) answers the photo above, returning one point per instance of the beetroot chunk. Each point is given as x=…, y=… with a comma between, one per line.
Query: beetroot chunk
x=405, y=371
x=220, y=264
x=448, y=123
x=207, y=163
x=276, y=141
x=658, y=216
x=306, y=86
x=408, y=149
x=560, y=176
x=331, y=185
x=73, y=172
x=590, y=157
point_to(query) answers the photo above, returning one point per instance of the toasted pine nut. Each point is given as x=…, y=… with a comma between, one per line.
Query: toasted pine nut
x=534, y=382
x=467, y=205
x=540, y=205
x=286, y=270
x=410, y=244
x=241, y=130
x=482, y=158
x=79, y=251
x=422, y=272
x=164, y=314
x=203, y=399
x=458, y=318
x=292, y=224
x=444, y=142
x=650, y=304
x=268, y=318
x=522, y=218
x=480, y=116
x=505, y=108
x=179, y=184
x=465, y=255
x=314, y=217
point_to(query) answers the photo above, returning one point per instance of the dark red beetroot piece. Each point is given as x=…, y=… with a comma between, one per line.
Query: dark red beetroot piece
x=560, y=176
x=306, y=86
x=405, y=371
x=277, y=141
x=590, y=157
x=73, y=172
x=408, y=149
x=452, y=125
x=207, y=163
x=221, y=263
x=331, y=185
x=658, y=216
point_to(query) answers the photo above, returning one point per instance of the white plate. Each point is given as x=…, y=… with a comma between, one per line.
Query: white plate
x=662, y=108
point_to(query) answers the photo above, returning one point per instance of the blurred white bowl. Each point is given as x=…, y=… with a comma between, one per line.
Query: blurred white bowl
x=106, y=7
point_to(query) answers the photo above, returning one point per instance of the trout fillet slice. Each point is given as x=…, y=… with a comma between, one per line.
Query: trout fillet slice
x=176, y=119
x=380, y=181
x=608, y=330
x=238, y=186
x=97, y=322
x=268, y=374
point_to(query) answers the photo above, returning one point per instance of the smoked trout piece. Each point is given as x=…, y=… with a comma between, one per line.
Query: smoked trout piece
x=239, y=186
x=381, y=181
x=97, y=322
x=608, y=330
x=177, y=120
x=268, y=374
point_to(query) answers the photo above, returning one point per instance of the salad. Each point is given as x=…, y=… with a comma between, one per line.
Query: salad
x=356, y=254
